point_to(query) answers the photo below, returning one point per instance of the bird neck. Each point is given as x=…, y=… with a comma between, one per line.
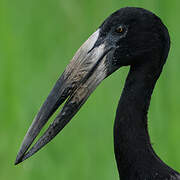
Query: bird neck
x=131, y=139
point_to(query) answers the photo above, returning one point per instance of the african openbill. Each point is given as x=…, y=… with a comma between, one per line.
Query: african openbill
x=131, y=37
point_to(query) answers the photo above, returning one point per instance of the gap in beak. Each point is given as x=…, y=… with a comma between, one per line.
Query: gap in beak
x=45, y=127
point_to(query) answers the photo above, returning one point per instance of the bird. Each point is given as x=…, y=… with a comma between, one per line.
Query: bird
x=131, y=36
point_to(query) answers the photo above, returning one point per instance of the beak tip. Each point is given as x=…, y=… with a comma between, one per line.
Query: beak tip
x=17, y=161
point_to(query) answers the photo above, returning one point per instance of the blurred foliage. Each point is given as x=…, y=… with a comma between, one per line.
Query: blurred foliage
x=37, y=40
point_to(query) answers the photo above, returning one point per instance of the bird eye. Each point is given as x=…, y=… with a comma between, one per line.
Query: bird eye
x=120, y=29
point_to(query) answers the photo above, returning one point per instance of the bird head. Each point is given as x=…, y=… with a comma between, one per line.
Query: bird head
x=134, y=34
x=127, y=37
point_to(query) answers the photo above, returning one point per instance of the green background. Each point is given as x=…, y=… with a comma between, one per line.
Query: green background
x=37, y=40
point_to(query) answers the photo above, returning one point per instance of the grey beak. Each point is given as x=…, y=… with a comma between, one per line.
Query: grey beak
x=80, y=78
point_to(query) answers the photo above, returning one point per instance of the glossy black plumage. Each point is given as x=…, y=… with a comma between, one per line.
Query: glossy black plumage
x=134, y=154
x=129, y=37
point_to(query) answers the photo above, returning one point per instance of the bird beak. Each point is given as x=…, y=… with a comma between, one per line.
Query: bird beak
x=80, y=78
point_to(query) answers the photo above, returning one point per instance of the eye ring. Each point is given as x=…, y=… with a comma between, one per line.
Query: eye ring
x=119, y=29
